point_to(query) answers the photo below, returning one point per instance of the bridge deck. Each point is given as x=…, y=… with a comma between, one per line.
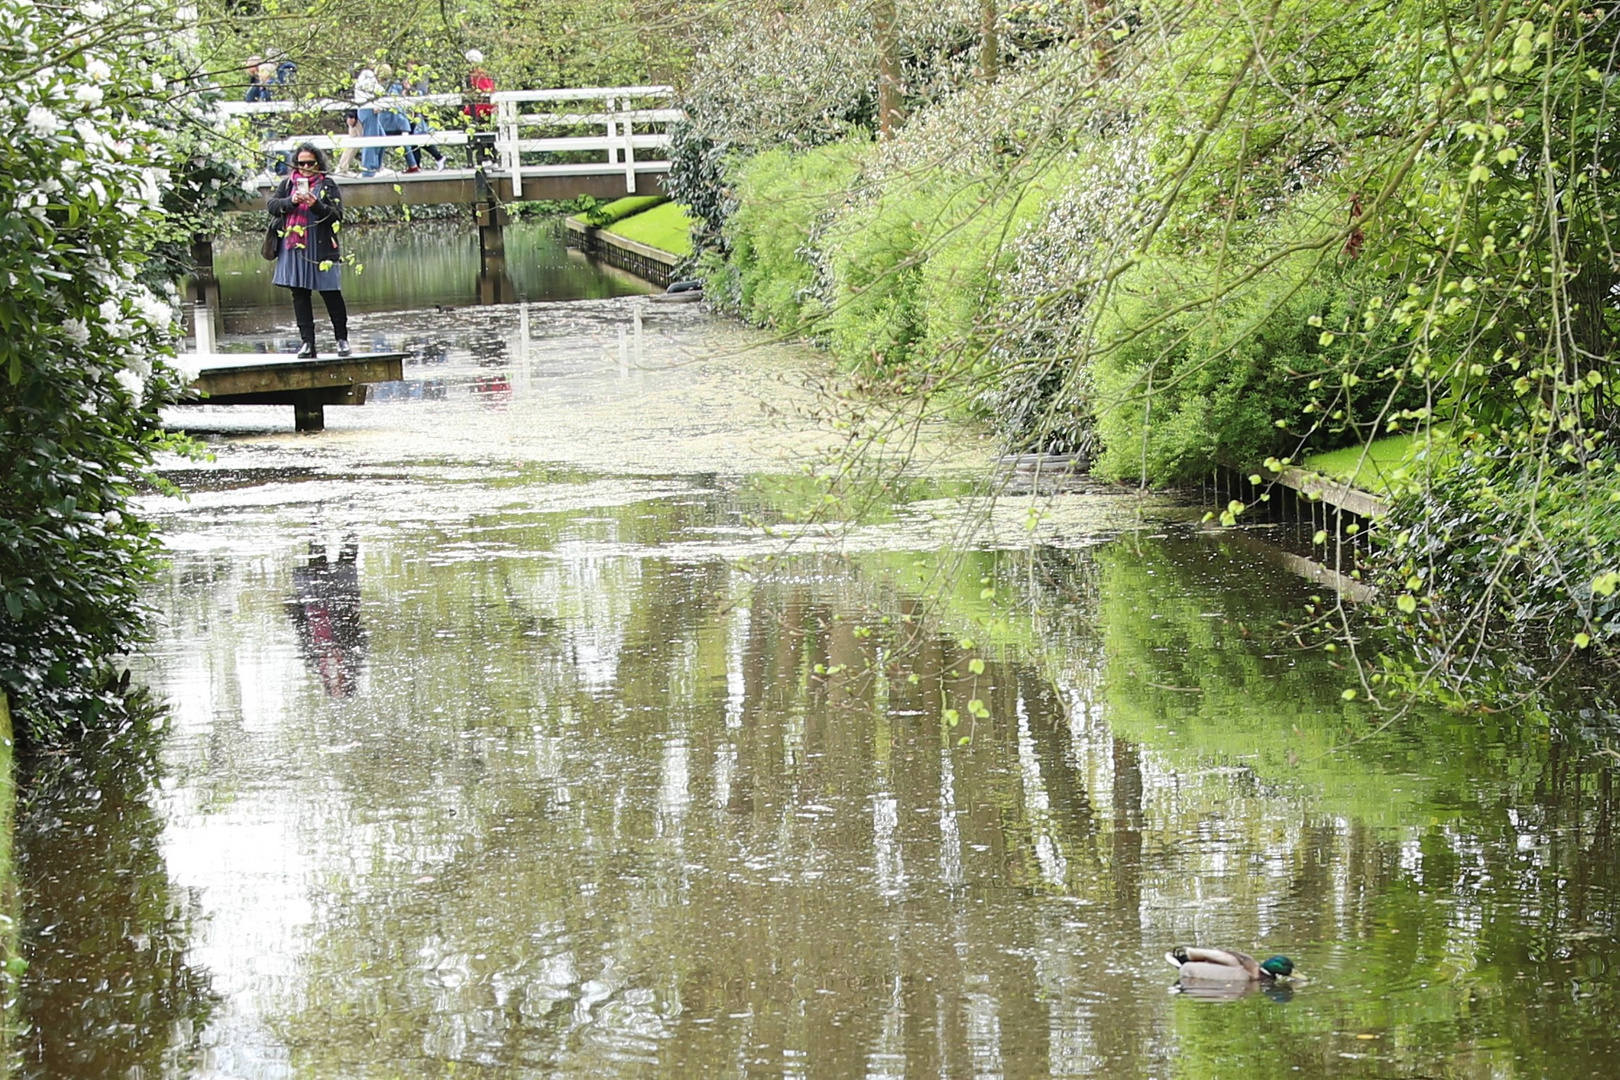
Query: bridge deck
x=461, y=186
x=307, y=385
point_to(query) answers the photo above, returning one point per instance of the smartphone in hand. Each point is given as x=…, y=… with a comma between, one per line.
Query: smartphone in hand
x=300, y=187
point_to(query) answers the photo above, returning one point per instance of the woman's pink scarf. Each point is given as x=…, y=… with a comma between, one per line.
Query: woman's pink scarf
x=298, y=219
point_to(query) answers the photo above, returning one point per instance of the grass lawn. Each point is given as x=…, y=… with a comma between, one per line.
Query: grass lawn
x=665, y=227
x=619, y=209
x=1374, y=466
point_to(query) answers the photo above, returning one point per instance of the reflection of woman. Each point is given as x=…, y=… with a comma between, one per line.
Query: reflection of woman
x=325, y=609
x=308, y=209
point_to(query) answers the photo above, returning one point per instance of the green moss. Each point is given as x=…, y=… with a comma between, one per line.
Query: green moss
x=665, y=227
x=1364, y=467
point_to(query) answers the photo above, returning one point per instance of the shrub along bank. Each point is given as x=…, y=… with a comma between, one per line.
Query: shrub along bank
x=1212, y=234
x=108, y=175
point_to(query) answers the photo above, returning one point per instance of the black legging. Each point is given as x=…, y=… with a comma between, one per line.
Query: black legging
x=304, y=313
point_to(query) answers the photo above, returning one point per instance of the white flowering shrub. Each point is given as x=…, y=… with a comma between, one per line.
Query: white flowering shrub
x=88, y=199
x=1041, y=395
x=806, y=79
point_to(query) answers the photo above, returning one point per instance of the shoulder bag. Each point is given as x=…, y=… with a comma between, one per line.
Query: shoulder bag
x=270, y=247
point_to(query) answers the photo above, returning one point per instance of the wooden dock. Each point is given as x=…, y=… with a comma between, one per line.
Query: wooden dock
x=307, y=385
x=1336, y=493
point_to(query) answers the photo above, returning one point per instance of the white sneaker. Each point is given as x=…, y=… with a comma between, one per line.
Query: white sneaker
x=438, y=166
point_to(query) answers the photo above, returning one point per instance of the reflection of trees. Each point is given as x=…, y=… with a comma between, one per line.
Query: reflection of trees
x=1452, y=869
x=108, y=991
x=630, y=814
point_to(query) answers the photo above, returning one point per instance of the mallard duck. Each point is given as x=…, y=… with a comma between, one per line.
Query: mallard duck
x=1226, y=966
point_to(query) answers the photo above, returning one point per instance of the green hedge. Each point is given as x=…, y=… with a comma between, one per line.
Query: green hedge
x=783, y=197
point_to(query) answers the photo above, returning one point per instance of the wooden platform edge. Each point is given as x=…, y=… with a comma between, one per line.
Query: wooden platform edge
x=1317, y=487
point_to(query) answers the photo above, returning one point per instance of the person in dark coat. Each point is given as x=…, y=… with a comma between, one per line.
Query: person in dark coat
x=308, y=209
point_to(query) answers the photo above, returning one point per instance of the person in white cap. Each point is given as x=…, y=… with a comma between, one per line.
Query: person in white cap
x=480, y=84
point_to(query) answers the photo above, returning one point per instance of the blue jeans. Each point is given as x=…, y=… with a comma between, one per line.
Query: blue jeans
x=370, y=127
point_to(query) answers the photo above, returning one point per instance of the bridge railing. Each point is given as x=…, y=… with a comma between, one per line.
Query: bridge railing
x=633, y=121
x=619, y=111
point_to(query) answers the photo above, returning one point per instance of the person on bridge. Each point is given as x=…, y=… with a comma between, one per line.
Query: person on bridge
x=367, y=88
x=258, y=80
x=417, y=81
x=308, y=208
x=392, y=117
x=480, y=84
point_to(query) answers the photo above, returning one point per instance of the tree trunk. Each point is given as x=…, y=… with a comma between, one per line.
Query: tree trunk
x=890, y=110
x=989, y=44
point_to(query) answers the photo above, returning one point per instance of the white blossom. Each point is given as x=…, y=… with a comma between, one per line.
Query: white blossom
x=131, y=382
x=153, y=310
x=188, y=366
x=42, y=122
x=76, y=331
x=88, y=93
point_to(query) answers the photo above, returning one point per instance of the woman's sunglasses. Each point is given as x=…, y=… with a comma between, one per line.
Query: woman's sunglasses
x=306, y=164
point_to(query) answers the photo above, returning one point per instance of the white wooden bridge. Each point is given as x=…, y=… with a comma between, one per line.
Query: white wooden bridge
x=536, y=144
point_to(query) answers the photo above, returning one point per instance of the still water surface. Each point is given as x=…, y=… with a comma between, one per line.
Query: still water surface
x=505, y=741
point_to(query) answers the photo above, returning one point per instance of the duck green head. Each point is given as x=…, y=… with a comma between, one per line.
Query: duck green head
x=1278, y=966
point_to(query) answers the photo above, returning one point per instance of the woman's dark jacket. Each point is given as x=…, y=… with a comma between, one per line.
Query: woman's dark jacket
x=325, y=215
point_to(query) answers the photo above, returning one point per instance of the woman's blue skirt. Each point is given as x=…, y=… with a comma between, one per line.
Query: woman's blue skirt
x=297, y=268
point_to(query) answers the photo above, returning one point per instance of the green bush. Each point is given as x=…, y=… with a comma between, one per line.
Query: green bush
x=782, y=200
x=875, y=251
x=1500, y=549
x=1180, y=389
x=916, y=269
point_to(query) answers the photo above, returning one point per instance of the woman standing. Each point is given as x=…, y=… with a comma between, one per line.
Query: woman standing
x=309, y=210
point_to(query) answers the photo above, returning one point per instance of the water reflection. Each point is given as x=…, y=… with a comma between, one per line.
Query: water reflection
x=623, y=795
x=111, y=988
x=617, y=813
x=325, y=608
x=429, y=265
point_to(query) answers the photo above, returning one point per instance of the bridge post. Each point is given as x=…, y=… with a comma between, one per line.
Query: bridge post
x=491, y=219
x=202, y=288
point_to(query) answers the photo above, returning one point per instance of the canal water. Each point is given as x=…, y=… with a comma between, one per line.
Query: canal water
x=541, y=718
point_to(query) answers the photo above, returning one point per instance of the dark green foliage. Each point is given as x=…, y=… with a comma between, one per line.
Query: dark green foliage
x=697, y=180
x=112, y=987
x=1504, y=552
